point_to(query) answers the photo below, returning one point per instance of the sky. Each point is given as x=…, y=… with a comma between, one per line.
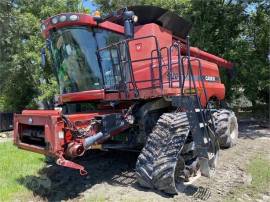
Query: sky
x=89, y=4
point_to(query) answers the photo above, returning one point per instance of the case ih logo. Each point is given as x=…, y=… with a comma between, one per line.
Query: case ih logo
x=211, y=78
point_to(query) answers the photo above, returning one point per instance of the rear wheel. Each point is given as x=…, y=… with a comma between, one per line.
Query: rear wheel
x=226, y=127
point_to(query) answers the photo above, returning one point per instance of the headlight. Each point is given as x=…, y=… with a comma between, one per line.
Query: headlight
x=55, y=20
x=63, y=18
x=135, y=18
x=73, y=17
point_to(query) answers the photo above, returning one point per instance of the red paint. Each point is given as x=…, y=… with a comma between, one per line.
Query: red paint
x=82, y=96
x=41, y=112
x=69, y=164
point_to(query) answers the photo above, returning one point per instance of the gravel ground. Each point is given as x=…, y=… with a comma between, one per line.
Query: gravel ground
x=112, y=178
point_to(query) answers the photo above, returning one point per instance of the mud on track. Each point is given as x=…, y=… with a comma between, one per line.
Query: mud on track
x=112, y=178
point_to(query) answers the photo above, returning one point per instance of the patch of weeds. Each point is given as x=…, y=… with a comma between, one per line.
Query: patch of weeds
x=259, y=169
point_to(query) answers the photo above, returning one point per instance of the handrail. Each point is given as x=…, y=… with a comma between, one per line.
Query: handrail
x=157, y=56
x=121, y=63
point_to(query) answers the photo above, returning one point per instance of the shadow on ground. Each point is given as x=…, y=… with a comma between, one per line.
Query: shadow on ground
x=252, y=129
x=56, y=183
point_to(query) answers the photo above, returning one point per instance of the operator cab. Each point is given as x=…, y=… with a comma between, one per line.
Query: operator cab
x=73, y=46
x=73, y=50
x=74, y=40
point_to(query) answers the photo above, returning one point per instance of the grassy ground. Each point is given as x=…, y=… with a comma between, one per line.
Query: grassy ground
x=259, y=170
x=15, y=165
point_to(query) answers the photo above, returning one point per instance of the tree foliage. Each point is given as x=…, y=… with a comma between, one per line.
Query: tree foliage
x=254, y=58
x=22, y=81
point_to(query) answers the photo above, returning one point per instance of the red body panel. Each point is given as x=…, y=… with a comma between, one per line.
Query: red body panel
x=82, y=96
x=52, y=126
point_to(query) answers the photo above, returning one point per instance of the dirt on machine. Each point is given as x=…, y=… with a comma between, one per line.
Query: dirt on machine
x=131, y=81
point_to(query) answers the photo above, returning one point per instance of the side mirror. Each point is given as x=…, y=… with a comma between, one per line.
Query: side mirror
x=129, y=19
x=43, y=57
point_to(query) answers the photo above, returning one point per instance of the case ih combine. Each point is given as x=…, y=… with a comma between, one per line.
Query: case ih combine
x=131, y=81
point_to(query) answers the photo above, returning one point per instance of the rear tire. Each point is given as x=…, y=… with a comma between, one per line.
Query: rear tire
x=226, y=127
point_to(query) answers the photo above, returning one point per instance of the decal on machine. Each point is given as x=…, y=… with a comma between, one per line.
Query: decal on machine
x=211, y=78
x=208, y=78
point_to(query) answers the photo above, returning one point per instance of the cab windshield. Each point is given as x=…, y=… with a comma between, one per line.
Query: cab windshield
x=76, y=65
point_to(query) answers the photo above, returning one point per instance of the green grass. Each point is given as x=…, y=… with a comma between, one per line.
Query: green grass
x=259, y=169
x=15, y=165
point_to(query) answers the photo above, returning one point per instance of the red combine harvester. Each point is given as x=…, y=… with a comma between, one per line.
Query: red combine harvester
x=131, y=81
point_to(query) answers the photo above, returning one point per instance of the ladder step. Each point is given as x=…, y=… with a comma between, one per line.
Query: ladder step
x=202, y=125
x=205, y=140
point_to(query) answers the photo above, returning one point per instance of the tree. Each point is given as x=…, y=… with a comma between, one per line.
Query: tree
x=179, y=6
x=109, y=6
x=5, y=16
x=22, y=79
x=255, y=61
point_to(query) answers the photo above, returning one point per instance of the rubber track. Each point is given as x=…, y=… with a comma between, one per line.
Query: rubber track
x=156, y=164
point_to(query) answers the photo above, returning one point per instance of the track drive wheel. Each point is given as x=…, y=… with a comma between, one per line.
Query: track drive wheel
x=226, y=127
